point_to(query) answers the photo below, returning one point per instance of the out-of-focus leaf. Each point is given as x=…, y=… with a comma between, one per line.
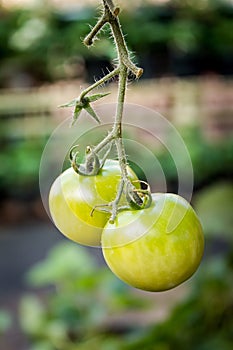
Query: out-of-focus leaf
x=32, y=315
x=93, y=98
x=5, y=321
x=214, y=205
x=42, y=345
x=65, y=262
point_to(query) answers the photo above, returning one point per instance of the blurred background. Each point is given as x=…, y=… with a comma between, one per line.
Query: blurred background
x=56, y=295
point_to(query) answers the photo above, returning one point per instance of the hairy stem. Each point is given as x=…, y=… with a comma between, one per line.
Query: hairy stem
x=122, y=50
x=117, y=129
x=89, y=39
x=115, y=10
x=100, y=82
x=125, y=65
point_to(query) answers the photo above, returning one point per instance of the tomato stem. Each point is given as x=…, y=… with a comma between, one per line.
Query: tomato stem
x=125, y=65
x=99, y=82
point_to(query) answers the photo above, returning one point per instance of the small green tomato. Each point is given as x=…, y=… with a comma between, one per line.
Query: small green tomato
x=73, y=197
x=157, y=248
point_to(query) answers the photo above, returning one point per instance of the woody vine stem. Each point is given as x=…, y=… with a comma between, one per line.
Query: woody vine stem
x=93, y=164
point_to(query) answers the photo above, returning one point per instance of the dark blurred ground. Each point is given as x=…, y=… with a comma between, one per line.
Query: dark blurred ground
x=21, y=246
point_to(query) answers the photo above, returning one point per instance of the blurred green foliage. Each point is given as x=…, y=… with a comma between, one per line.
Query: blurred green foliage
x=77, y=310
x=210, y=160
x=19, y=170
x=5, y=321
x=201, y=322
x=214, y=205
x=43, y=42
x=76, y=314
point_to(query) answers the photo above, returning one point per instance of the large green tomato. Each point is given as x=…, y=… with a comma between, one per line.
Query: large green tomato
x=157, y=248
x=72, y=198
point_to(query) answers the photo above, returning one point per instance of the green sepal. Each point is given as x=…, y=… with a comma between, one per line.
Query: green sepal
x=96, y=97
x=92, y=113
x=69, y=104
x=76, y=113
x=84, y=104
x=138, y=198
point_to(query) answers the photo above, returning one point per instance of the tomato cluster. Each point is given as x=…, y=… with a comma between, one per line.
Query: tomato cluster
x=154, y=249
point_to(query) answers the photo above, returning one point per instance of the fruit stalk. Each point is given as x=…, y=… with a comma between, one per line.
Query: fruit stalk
x=124, y=66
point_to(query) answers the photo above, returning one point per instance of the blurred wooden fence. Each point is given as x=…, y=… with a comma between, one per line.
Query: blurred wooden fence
x=206, y=102
x=24, y=114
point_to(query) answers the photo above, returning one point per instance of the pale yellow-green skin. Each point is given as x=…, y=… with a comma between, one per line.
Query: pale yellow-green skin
x=155, y=249
x=72, y=198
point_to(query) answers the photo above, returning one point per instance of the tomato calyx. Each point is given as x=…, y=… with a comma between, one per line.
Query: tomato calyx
x=92, y=164
x=84, y=103
x=138, y=198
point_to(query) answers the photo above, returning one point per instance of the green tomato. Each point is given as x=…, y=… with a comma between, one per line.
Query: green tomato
x=72, y=198
x=157, y=248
